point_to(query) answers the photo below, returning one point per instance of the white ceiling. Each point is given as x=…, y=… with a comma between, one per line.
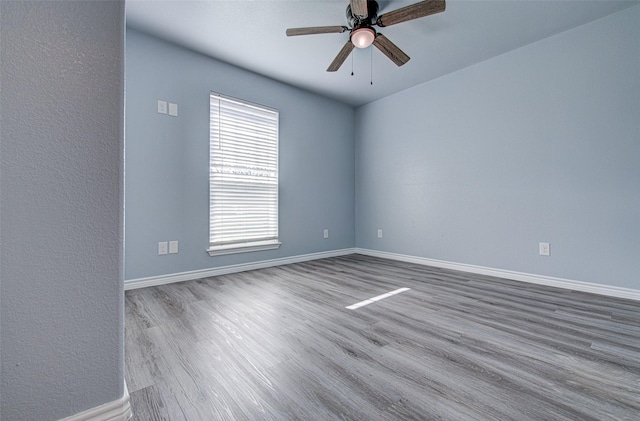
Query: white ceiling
x=251, y=35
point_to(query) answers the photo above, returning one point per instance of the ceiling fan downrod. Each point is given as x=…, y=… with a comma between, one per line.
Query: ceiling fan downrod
x=356, y=21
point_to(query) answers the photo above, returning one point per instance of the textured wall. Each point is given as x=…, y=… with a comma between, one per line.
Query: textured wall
x=541, y=144
x=61, y=130
x=167, y=160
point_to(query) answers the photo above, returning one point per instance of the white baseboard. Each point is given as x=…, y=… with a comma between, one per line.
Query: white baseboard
x=224, y=270
x=118, y=410
x=612, y=291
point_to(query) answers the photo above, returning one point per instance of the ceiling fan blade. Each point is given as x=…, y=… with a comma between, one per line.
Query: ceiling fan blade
x=390, y=50
x=341, y=57
x=316, y=30
x=414, y=11
x=359, y=8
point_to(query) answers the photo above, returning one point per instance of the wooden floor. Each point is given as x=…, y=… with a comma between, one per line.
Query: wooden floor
x=279, y=344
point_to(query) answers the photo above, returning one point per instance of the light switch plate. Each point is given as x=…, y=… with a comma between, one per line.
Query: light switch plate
x=162, y=107
x=326, y=233
x=173, y=109
x=379, y=233
x=162, y=248
x=173, y=247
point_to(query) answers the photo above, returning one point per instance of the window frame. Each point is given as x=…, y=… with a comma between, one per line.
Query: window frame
x=265, y=168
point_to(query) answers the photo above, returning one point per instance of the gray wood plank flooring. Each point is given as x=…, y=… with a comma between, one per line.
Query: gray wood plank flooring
x=279, y=344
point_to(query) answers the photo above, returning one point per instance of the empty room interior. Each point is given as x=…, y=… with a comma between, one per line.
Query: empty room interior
x=319, y=210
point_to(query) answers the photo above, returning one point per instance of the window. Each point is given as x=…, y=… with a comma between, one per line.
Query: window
x=243, y=176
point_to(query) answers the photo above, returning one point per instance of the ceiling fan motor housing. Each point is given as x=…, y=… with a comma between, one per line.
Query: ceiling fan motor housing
x=356, y=21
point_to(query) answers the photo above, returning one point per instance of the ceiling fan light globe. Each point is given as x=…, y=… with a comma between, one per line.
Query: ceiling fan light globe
x=363, y=37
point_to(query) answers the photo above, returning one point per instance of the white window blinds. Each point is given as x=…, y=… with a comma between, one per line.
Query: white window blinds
x=243, y=176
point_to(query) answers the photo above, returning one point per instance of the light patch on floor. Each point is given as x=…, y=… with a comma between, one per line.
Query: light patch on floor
x=377, y=298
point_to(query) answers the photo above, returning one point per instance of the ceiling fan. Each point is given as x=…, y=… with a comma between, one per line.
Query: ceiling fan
x=362, y=15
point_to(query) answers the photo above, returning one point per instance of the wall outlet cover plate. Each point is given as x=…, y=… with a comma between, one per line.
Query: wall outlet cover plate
x=162, y=107
x=544, y=249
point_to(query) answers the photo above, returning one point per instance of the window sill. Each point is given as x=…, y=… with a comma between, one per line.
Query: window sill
x=243, y=248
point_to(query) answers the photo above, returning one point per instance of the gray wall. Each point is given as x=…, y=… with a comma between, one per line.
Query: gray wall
x=167, y=195
x=541, y=144
x=60, y=208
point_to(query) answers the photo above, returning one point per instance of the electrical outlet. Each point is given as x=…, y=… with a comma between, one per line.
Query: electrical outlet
x=544, y=249
x=326, y=233
x=173, y=247
x=163, y=248
x=162, y=107
x=379, y=233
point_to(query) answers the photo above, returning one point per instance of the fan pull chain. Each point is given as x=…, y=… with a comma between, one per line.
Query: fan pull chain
x=371, y=48
x=352, y=54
